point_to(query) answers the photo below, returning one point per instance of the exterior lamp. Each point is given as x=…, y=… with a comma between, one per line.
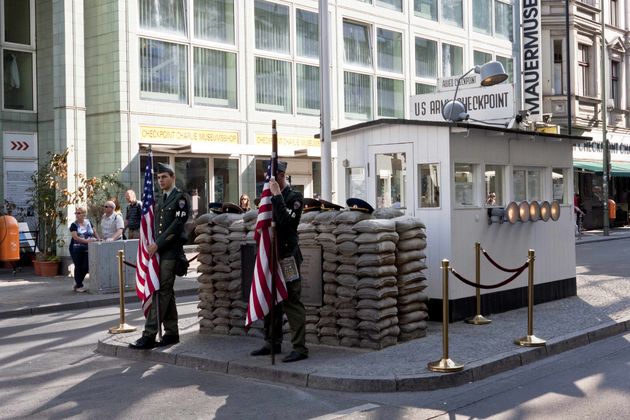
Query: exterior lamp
x=545, y=211
x=534, y=211
x=491, y=73
x=555, y=210
x=523, y=211
x=512, y=211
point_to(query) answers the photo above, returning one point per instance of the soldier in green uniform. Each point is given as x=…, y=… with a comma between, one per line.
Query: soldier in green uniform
x=287, y=209
x=171, y=214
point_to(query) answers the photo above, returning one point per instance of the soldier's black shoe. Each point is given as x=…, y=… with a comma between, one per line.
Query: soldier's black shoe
x=143, y=343
x=294, y=356
x=168, y=340
x=265, y=351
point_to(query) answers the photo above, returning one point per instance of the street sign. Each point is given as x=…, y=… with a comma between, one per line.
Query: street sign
x=446, y=84
x=20, y=145
x=491, y=103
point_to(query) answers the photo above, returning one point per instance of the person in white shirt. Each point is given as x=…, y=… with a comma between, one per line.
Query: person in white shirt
x=112, y=223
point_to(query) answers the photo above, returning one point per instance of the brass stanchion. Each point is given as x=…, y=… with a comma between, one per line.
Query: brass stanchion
x=444, y=364
x=122, y=327
x=478, y=319
x=530, y=340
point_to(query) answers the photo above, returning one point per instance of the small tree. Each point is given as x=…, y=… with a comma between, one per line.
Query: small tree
x=51, y=198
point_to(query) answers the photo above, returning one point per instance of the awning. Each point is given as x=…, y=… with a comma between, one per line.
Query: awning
x=616, y=168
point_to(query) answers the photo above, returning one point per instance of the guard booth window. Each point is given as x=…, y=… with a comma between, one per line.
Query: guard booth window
x=429, y=174
x=464, y=184
x=527, y=184
x=391, y=180
x=494, y=185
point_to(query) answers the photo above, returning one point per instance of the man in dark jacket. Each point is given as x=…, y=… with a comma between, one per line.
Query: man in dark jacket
x=287, y=210
x=171, y=214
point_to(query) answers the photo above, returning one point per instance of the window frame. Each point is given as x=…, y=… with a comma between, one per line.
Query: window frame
x=528, y=195
x=583, y=69
x=473, y=184
x=436, y=198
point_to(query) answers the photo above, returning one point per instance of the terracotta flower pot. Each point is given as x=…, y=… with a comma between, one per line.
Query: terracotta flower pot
x=48, y=268
x=37, y=267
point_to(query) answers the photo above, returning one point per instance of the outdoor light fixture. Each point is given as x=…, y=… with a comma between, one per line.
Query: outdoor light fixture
x=512, y=212
x=545, y=211
x=496, y=215
x=523, y=211
x=491, y=73
x=555, y=210
x=534, y=211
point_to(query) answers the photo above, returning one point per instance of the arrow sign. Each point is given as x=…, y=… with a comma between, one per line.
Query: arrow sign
x=19, y=145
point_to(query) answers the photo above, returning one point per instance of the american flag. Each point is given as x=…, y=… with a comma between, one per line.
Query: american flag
x=147, y=270
x=260, y=294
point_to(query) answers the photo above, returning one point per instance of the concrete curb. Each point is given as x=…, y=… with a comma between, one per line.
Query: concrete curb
x=68, y=306
x=473, y=371
x=599, y=239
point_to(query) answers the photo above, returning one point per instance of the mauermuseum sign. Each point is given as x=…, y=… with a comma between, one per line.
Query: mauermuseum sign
x=532, y=68
x=492, y=103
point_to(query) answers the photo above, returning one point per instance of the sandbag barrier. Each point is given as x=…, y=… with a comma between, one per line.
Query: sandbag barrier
x=445, y=364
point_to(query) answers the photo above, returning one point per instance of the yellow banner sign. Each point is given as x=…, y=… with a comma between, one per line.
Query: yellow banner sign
x=153, y=133
x=300, y=141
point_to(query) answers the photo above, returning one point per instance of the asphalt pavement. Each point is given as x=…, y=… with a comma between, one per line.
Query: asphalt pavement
x=601, y=309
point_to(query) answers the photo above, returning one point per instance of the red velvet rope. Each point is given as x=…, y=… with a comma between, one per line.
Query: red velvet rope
x=492, y=286
x=134, y=266
x=497, y=265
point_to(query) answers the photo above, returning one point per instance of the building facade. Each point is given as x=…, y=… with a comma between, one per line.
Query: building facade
x=199, y=81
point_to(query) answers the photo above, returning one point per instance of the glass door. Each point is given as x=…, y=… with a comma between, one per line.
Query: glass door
x=390, y=177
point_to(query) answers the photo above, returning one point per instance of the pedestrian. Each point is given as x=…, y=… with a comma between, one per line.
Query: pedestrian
x=112, y=223
x=287, y=205
x=171, y=215
x=82, y=234
x=243, y=203
x=133, y=215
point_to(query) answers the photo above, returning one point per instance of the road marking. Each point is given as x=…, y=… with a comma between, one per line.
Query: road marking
x=351, y=410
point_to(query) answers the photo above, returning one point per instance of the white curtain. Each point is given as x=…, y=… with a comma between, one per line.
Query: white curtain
x=452, y=12
x=391, y=101
x=307, y=34
x=272, y=27
x=307, y=89
x=389, y=50
x=356, y=42
x=426, y=58
x=163, y=70
x=357, y=96
x=425, y=8
x=273, y=85
x=163, y=15
x=503, y=20
x=390, y=4
x=482, y=16
x=214, y=20
x=215, y=77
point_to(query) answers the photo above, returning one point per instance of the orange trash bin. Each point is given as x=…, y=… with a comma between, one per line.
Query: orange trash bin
x=9, y=239
x=612, y=209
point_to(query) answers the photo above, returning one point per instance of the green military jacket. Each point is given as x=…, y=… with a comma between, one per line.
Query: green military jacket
x=170, y=218
x=287, y=211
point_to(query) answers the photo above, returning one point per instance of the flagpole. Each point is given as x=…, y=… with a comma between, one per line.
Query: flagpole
x=273, y=263
x=156, y=295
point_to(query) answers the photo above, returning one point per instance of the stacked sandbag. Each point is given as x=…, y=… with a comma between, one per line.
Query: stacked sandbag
x=307, y=236
x=327, y=323
x=376, y=289
x=203, y=232
x=411, y=262
x=347, y=279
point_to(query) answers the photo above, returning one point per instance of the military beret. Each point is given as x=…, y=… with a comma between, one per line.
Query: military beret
x=231, y=208
x=215, y=207
x=327, y=205
x=311, y=204
x=165, y=167
x=359, y=205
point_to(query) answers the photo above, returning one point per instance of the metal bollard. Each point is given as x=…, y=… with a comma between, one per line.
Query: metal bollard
x=530, y=340
x=445, y=364
x=122, y=326
x=478, y=319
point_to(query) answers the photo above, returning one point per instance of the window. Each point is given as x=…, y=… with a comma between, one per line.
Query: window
x=452, y=12
x=390, y=4
x=558, y=73
x=389, y=50
x=464, y=184
x=583, y=77
x=422, y=88
x=391, y=97
x=272, y=27
x=503, y=20
x=614, y=12
x=214, y=20
x=167, y=16
x=426, y=58
x=426, y=9
x=493, y=178
x=482, y=16
x=307, y=85
x=163, y=71
x=452, y=60
x=614, y=83
x=165, y=62
x=355, y=183
x=429, y=184
x=508, y=65
x=17, y=49
x=316, y=170
x=480, y=58
x=226, y=177
x=357, y=96
x=559, y=185
x=273, y=85
x=307, y=28
x=527, y=184
x=215, y=78
x=391, y=179
x=356, y=44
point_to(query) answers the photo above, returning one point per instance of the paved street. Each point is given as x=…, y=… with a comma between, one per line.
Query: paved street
x=48, y=369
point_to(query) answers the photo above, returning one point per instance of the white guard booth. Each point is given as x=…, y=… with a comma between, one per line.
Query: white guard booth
x=452, y=176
